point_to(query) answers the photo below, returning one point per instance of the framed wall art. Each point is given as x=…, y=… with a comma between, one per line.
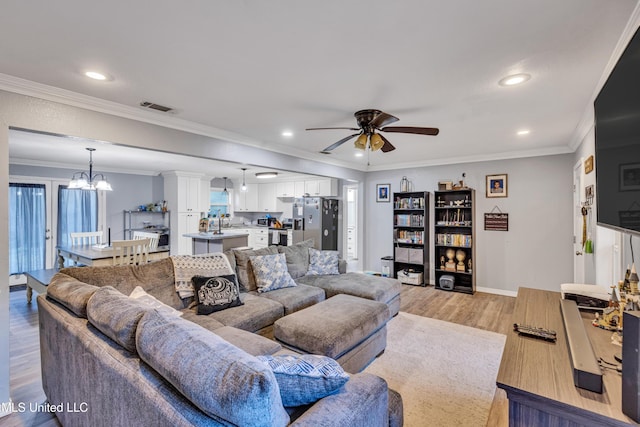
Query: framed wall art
x=383, y=193
x=497, y=185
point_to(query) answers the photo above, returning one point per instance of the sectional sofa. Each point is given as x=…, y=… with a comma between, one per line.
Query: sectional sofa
x=118, y=362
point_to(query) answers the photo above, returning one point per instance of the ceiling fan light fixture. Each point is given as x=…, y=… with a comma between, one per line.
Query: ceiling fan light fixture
x=376, y=142
x=361, y=142
x=266, y=175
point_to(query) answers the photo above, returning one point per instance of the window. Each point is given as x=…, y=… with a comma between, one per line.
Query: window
x=220, y=201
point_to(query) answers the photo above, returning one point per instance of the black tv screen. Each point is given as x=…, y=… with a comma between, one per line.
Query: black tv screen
x=617, y=137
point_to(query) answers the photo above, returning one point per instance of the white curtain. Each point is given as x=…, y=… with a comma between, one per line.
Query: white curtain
x=27, y=227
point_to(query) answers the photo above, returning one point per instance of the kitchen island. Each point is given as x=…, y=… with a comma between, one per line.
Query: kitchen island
x=203, y=243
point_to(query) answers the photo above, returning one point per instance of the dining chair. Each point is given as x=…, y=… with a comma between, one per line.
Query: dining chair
x=153, y=237
x=86, y=238
x=130, y=252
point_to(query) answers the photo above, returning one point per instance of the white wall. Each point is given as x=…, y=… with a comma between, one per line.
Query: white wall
x=537, y=250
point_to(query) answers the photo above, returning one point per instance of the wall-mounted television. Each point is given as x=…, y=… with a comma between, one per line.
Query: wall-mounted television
x=617, y=138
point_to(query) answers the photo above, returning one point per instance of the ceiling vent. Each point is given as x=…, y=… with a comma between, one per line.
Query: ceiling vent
x=157, y=107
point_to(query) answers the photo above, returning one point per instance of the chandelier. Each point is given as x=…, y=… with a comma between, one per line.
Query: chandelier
x=89, y=181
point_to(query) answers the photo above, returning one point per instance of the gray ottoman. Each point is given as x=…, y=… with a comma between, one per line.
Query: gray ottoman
x=349, y=329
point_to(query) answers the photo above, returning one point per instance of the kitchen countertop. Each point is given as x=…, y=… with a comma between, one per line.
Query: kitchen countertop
x=226, y=234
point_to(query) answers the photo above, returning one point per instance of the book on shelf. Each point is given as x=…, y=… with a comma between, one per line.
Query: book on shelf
x=409, y=203
x=445, y=239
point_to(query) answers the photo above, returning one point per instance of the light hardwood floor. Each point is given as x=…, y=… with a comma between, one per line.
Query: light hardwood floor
x=483, y=311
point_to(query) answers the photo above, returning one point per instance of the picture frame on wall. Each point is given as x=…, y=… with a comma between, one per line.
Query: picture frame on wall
x=497, y=186
x=383, y=193
x=629, y=176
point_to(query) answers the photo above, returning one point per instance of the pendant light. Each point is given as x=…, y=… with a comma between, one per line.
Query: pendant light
x=225, y=191
x=89, y=181
x=244, y=184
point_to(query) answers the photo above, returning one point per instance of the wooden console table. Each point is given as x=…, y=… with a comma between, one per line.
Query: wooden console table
x=538, y=378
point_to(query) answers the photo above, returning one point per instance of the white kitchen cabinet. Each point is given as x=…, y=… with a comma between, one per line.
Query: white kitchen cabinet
x=328, y=187
x=298, y=189
x=189, y=194
x=187, y=223
x=325, y=187
x=312, y=188
x=285, y=189
x=187, y=199
x=260, y=237
x=246, y=201
x=267, y=197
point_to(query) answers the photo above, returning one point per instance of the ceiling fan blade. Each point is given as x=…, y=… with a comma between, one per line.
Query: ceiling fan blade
x=383, y=119
x=339, y=143
x=409, y=129
x=387, y=145
x=332, y=128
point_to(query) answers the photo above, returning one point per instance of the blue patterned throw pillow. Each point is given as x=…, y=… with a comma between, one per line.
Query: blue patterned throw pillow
x=305, y=378
x=270, y=272
x=323, y=262
x=216, y=293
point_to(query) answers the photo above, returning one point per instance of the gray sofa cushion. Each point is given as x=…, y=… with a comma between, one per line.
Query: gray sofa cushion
x=71, y=293
x=305, y=378
x=223, y=381
x=357, y=284
x=156, y=278
x=297, y=257
x=296, y=298
x=245, y=270
x=116, y=315
x=254, y=344
x=256, y=313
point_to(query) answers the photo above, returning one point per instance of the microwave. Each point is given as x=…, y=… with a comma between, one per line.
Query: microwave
x=266, y=222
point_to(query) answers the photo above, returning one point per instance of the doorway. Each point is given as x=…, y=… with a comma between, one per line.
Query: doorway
x=38, y=209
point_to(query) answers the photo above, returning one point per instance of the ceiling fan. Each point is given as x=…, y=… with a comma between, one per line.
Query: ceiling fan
x=370, y=123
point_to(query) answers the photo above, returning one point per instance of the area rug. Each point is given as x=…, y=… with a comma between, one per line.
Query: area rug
x=446, y=373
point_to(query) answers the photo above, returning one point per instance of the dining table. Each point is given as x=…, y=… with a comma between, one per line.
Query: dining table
x=99, y=255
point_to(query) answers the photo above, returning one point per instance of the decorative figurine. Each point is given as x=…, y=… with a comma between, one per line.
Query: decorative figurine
x=451, y=264
x=442, y=262
x=460, y=256
x=469, y=269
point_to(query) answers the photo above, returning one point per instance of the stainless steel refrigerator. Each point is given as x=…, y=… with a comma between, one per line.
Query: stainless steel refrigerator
x=316, y=218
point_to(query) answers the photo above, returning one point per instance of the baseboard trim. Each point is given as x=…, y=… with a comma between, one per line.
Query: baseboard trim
x=497, y=291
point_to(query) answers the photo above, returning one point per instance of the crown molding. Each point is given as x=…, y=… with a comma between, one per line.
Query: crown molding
x=552, y=151
x=74, y=99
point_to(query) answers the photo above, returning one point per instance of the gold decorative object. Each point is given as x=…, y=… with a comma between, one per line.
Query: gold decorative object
x=450, y=264
x=460, y=256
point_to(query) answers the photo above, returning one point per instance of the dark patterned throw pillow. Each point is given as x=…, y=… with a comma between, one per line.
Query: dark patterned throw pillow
x=216, y=293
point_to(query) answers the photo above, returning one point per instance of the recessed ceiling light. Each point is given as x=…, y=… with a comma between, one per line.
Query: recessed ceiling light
x=524, y=132
x=287, y=133
x=514, y=79
x=359, y=154
x=97, y=76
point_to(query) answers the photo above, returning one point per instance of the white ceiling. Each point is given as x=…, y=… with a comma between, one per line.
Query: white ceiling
x=250, y=69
